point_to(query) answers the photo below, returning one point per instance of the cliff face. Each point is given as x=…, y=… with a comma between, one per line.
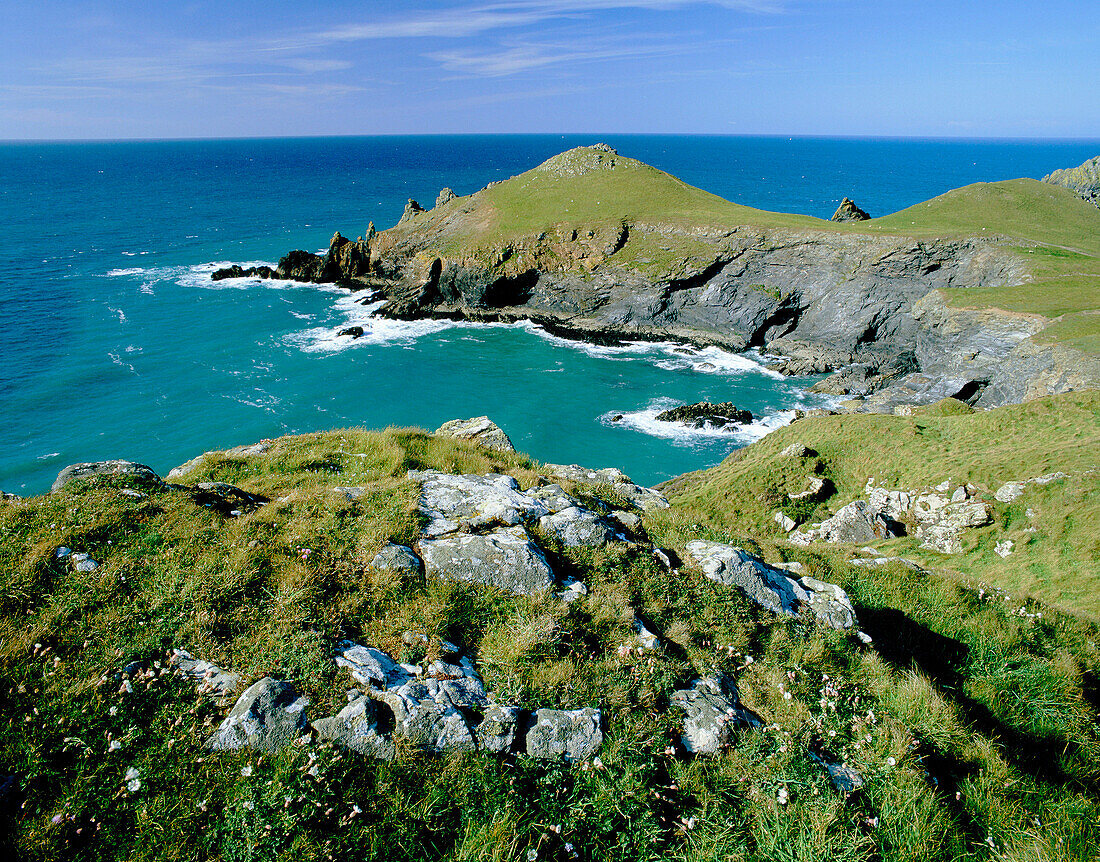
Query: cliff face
x=1083, y=180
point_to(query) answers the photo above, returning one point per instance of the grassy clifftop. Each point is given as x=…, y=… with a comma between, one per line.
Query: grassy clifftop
x=971, y=717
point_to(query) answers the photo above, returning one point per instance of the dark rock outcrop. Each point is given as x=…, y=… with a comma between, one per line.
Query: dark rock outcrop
x=352, y=331
x=237, y=271
x=848, y=211
x=704, y=414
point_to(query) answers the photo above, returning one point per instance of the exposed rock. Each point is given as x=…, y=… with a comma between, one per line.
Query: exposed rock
x=212, y=679
x=576, y=527
x=396, y=558
x=80, y=561
x=97, y=471
x=299, y=265
x=707, y=415
x=1048, y=478
x=225, y=499
x=5, y=496
x=351, y=493
x=362, y=726
x=892, y=504
x=352, y=331
x=481, y=430
x=942, y=525
x=646, y=499
x=446, y=195
x=940, y=537
x=570, y=735
x=426, y=716
x=629, y=521
x=875, y=562
x=1004, y=549
x=237, y=271
x=856, y=523
x=554, y=498
x=848, y=211
x=815, y=489
x=797, y=450
x=506, y=559
x=268, y=716
x=773, y=588
x=452, y=503
x=247, y=451
x=497, y=730
x=412, y=209
x=712, y=709
x=370, y=666
x=1084, y=180
x=852, y=380
x=346, y=260
x=785, y=523
x=574, y=589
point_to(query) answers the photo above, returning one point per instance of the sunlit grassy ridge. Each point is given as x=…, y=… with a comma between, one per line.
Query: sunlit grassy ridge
x=974, y=725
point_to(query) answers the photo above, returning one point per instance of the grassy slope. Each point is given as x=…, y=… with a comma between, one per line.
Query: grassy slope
x=1059, y=562
x=950, y=760
x=1055, y=231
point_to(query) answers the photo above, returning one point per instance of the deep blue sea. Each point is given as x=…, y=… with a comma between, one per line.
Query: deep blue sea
x=117, y=345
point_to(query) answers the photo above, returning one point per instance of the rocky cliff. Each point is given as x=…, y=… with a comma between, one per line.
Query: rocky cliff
x=1083, y=180
x=596, y=245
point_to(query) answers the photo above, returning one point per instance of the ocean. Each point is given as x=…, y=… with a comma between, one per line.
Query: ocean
x=117, y=344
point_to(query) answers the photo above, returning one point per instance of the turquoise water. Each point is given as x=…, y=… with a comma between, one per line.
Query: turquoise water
x=116, y=344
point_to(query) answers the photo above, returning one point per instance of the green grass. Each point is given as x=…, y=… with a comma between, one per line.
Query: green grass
x=970, y=722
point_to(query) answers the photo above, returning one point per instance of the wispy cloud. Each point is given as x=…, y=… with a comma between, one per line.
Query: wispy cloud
x=514, y=59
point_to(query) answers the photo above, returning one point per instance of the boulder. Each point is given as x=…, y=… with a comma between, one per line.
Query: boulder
x=773, y=588
x=129, y=472
x=452, y=502
x=891, y=504
x=446, y=195
x=853, y=380
x=506, y=559
x=481, y=430
x=576, y=527
x=856, y=524
x=554, y=498
x=848, y=211
x=569, y=735
x=646, y=499
x=497, y=730
x=237, y=271
x=707, y=415
x=398, y=559
x=362, y=726
x=785, y=523
x=268, y=716
x=712, y=709
x=370, y=666
x=225, y=499
x=352, y=332
x=212, y=679
x=299, y=265
x=797, y=450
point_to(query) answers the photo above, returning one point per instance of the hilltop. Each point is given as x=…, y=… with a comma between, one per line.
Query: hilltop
x=986, y=293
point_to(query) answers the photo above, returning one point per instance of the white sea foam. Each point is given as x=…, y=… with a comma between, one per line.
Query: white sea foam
x=645, y=421
x=49, y=455
x=376, y=330
x=121, y=314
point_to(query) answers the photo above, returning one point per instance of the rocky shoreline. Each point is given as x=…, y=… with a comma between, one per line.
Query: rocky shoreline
x=870, y=307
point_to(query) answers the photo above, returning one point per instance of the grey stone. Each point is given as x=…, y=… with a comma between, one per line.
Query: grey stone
x=646, y=499
x=351, y=493
x=629, y=521
x=554, y=498
x=497, y=730
x=576, y=528
x=369, y=666
x=100, y=470
x=959, y=495
x=844, y=778
x=360, y=726
x=797, y=450
x=712, y=709
x=396, y=558
x=940, y=537
x=446, y=195
x=785, y=523
x=268, y=716
x=452, y=503
x=815, y=485
x=505, y=558
x=1048, y=478
x=212, y=679
x=1009, y=492
x=426, y=716
x=856, y=523
x=927, y=507
x=481, y=430
x=770, y=587
x=1004, y=549
x=892, y=504
x=83, y=562
x=571, y=735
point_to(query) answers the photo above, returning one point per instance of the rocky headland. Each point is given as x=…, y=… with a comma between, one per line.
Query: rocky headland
x=594, y=245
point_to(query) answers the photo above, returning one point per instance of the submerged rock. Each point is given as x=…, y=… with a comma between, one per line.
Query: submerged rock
x=237, y=271
x=481, y=430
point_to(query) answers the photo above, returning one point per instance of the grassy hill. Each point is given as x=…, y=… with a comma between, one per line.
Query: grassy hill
x=972, y=716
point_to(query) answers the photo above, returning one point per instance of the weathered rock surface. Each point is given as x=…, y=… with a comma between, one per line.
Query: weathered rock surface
x=498, y=729
x=362, y=726
x=707, y=415
x=129, y=471
x=468, y=502
x=773, y=588
x=856, y=523
x=577, y=527
x=211, y=679
x=1083, y=180
x=237, y=271
x=268, y=716
x=712, y=709
x=848, y=211
x=397, y=558
x=481, y=430
x=645, y=499
x=569, y=735
x=505, y=558
x=225, y=499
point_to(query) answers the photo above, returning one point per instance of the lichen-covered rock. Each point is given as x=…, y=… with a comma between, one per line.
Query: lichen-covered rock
x=848, y=211
x=646, y=499
x=360, y=726
x=712, y=709
x=369, y=666
x=268, y=716
x=1083, y=180
x=553, y=497
x=773, y=588
x=481, y=430
x=223, y=498
x=815, y=488
x=94, y=471
x=452, y=503
x=571, y=735
x=1009, y=492
x=212, y=679
x=707, y=415
x=497, y=730
x=396, y=558
x=506, y=559
x=784, y=522
x=445, y=196
x=856, y=524
x=576, y=527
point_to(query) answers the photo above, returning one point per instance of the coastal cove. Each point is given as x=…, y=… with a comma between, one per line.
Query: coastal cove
x=119, y=345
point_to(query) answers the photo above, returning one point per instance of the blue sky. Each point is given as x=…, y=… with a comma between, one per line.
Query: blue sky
x=160, y=68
